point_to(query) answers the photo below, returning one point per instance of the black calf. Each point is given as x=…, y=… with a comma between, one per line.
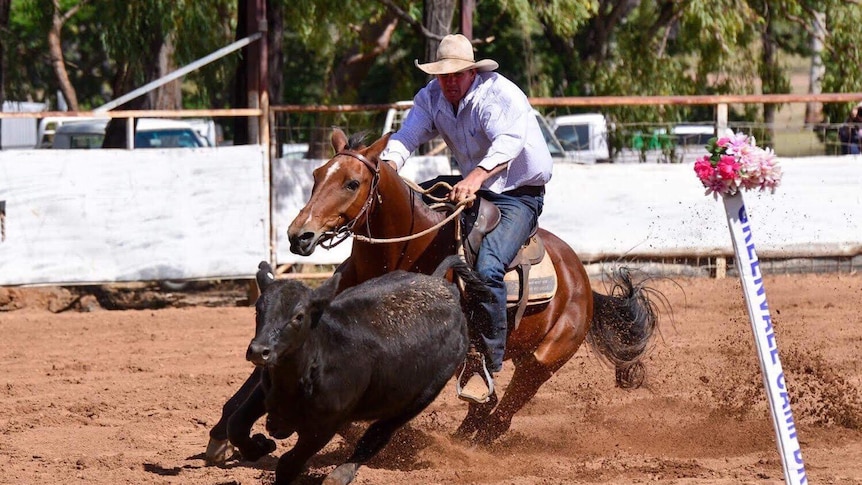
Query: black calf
x=381, y=351
x=250, y=396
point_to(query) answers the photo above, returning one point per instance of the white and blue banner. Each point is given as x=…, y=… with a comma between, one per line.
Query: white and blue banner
x=764, y=337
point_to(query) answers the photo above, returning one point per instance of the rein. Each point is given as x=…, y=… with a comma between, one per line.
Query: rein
x=339, y=235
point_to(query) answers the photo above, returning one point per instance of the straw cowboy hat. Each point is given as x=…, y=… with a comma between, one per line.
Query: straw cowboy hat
x=455, y=54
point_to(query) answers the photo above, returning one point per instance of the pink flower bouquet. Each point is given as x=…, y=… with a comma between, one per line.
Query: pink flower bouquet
x=736, y=161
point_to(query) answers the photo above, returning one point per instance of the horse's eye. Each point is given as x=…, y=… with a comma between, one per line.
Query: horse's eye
x=352, y=185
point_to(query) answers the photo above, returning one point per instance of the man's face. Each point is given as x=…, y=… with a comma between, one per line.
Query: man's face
x=455, y=85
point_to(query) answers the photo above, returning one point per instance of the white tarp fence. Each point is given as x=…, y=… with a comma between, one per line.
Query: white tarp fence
x=84, y=216
x=614, y=210
x=117, y=215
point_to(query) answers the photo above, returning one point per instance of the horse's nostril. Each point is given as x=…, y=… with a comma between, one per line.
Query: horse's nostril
x=305, y=236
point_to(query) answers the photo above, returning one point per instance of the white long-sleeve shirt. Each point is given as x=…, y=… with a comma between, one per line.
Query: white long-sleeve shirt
x=495, y=124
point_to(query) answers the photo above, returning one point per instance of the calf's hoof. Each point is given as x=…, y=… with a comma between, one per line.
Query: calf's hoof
x=277, y=429
x=258, y=447
x=219, y=451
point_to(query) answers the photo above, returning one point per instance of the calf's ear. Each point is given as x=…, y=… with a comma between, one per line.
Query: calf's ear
x=321, y=297
x=265, y=275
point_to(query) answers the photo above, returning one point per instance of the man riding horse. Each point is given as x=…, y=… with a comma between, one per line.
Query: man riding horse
x=489, y=126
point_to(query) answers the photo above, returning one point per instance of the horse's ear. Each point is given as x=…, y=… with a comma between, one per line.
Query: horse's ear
x=339, y=140
x=374, y=150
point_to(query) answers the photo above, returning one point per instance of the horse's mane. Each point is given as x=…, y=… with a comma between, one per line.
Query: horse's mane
x=357, y=140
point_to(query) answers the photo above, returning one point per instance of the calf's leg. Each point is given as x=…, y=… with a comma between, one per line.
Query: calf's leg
x=240, y=423
x=377, y=436
x=219, y=448
x=291, y=464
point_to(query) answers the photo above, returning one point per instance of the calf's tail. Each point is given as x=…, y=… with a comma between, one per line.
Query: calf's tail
x=623, y=326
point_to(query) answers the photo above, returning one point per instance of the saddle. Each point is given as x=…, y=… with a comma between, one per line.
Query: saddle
x=530, y=278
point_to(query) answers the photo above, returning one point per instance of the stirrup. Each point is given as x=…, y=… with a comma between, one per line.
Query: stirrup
x=478, y=385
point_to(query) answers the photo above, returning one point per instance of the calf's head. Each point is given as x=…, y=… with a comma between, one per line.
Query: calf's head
x=285, y=313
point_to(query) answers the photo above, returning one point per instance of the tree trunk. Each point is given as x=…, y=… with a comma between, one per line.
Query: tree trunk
x=170, y=95
x=240, y=88
x=134, y=74
x=350, y=70
x=55, y=51
x=437, y=17
x=814, y=111
x=5, y=7
x=768, y=75
x=275, y=63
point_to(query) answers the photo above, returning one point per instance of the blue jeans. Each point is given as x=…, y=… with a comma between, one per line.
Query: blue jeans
x=519, y=218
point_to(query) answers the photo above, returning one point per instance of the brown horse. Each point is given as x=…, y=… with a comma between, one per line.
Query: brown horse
x=354, y=193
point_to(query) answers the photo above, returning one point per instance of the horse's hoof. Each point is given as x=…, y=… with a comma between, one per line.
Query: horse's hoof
x=485, y=438
x=219, y=451
x=490, y=431
x=631, y=376
x=461, y=436
x=342, y=475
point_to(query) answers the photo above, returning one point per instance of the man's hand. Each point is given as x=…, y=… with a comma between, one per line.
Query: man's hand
x=469, y=185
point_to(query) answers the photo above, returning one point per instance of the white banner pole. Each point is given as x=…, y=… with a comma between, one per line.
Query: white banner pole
x=764, y=337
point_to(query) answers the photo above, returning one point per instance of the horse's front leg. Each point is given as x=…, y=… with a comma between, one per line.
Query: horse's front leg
x=477, y=415
x=528, y=377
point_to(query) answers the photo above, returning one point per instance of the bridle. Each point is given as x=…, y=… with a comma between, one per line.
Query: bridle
x=334, y=237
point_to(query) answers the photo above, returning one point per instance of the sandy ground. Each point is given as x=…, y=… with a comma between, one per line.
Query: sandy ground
x=111, y=397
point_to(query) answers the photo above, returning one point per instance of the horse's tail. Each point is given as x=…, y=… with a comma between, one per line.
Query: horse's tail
x=623, y=326
x=473, y=285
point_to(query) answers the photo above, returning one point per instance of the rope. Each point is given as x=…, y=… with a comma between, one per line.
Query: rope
x=458, y=209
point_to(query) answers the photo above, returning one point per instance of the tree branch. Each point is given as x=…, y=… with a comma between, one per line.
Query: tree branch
x=420, y=28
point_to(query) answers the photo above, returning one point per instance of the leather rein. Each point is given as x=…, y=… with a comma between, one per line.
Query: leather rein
x=335, y=237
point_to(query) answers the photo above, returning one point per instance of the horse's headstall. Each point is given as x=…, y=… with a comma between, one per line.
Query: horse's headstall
x=336, y=236
x=350, y=153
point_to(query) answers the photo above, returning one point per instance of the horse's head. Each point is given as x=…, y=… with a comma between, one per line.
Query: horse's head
x=344, y=188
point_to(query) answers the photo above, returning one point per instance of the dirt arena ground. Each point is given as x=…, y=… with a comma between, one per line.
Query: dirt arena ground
x=127, y=397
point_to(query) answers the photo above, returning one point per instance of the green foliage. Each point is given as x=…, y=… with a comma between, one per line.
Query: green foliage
x=548, y=47
x=843, y=56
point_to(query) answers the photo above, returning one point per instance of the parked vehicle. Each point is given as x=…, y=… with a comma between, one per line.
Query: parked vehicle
x=584, y=137
x=696, y=136
x=72, y=133
x=556, y=148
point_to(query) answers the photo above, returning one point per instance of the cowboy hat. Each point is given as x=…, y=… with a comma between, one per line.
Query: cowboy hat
x=455, y=54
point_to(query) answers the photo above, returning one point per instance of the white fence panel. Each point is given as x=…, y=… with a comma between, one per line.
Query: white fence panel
x=88, y=216
x=115, y=215
x=618, y=210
